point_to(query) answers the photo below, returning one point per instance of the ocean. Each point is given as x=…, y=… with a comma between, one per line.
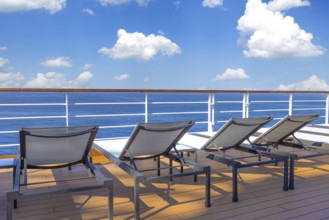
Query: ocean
x=53, y=104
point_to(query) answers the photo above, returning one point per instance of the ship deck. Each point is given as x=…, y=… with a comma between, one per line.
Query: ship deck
x=260, y=194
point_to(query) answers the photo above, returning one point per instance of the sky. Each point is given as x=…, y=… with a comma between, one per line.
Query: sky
x=165, y=44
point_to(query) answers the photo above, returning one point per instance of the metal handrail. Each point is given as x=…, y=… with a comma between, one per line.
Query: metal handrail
x=213, y=108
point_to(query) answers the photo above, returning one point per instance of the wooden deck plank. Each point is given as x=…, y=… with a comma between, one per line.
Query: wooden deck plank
x=260, y=192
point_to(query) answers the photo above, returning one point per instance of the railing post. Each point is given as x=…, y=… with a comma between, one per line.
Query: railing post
x=327, y=110
x=290, y=103
x=211, y=113
x=245, y=105
x=146, y=107
x=67, y=109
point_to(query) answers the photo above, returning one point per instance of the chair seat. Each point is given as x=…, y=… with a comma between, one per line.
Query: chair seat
x=7, y=163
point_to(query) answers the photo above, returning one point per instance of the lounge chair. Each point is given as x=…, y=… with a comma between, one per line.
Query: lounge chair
x=230, y=137
x=283, y=134
x=152, y=140
x=56, y=147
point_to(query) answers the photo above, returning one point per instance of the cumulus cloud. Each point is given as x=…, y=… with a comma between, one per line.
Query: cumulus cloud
x=138, y=46
x=3, y=62
x=87, y=66
x=280, y=5
x=266, y=32
x=58, y=80
x=313, y=83
x=212, y=3
x=52, y=6
x=122, y=77
x=57, y=62
x=11, y=80
x=88, y=11
x=119, y=2
x=230, y=74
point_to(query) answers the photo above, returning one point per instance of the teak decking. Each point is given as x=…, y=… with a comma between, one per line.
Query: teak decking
x=261, y=196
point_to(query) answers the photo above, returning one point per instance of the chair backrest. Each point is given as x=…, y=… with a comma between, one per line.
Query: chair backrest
x=234, y=132
x=284, y=128
x=154, y=139
x=56, y=145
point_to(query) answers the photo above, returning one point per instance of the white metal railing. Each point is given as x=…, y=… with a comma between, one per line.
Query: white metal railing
x=213, y=110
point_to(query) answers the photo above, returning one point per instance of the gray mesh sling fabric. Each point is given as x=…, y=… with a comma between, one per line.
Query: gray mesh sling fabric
x=56, y=147
x=234, y=132
x=284, y=128
x=154, y=139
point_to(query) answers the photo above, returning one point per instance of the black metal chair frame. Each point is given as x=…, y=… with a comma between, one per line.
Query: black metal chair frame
x=22, y=166
x=129, y=166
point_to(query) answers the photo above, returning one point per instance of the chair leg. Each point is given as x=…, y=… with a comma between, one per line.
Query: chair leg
x=196, y=160
x=182, y=167
x=235, y=183
x=10, y=198
x=285, y=175
x=208, y=179
x=109, y=185
x=292, y=173
x=170, y=168
x=9, y=206
x=158, y=164
x=136, y=199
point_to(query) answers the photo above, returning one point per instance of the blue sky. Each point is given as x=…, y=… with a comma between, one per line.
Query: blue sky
x=165, y=44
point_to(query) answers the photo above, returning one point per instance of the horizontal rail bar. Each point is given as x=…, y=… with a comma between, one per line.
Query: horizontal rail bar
x=177, y=113
x=105, y=115
x=309, y=100
x=31, y=117
x=233, y=111
x=107, y=103
x=72, y=90
x=307, y=109
x=161, y=103
x=33, y=104
x=269, y=110
x=276, y=101
x=8, y=132
x=228, y=102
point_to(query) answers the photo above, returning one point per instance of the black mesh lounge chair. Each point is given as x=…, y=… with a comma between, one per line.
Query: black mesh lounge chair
x=151, y=140
x=230, y=137
x=282, y=134
x=56, y=147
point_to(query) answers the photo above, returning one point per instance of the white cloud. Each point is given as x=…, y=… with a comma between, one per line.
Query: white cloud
x=146, y=79
x=212, y=3
x=57, y=62
x=3, y=62
x=138, y=46
x=88, y=11
x=268, y=33
x=313, y=83
x=230, y=74
x=87, y=66
x=58, y=80
x=3, y=48
x=279, y=5
x=52, y=6
x=122, y=77
x=119, y=2
x=82, y=80
x=11, y=80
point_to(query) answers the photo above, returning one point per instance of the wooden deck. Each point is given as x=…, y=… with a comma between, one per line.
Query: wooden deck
x=260, y=193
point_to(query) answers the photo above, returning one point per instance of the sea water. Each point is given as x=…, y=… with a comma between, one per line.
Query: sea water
x=79, y=113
